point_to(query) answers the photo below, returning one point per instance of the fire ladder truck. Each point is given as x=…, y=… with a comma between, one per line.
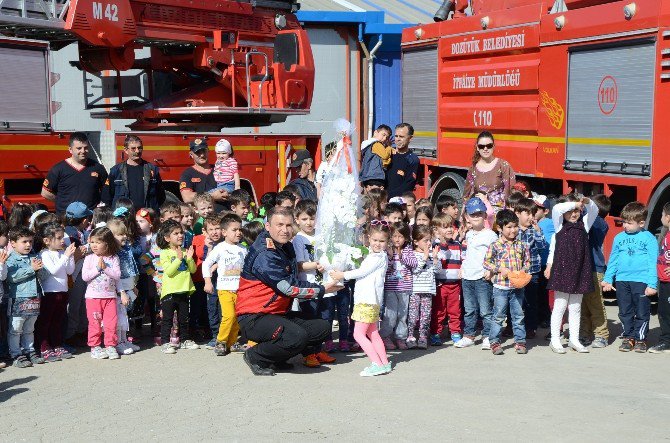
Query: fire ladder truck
x=576, y=93
x=204, y=65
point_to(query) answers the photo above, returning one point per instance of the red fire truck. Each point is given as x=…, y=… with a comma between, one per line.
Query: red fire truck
x=575, y=92
x=207, y=65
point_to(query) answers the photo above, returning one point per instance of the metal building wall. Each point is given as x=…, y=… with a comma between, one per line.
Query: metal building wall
x=331, y=47
x=388, y=89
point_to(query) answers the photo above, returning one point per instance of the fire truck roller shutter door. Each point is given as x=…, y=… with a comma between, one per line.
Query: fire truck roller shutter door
x=24, y=104
x=419, y=98
x=610, y=109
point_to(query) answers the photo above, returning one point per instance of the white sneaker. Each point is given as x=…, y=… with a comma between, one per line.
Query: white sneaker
x=98, y=353
x=486, y=346
x=111, y=353
x=464, y=342
x=188, y=344
x=124, y=348
x=168, y=349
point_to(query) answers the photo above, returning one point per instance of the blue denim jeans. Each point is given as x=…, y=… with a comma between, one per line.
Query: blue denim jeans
x=323, y=309
x=342, y=300
x=21, y=336
x=531, y=302
x=477, y=299
x=514, y=299
x=214, y=313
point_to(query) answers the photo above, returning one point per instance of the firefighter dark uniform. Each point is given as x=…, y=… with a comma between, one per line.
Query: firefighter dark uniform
x=268, y=285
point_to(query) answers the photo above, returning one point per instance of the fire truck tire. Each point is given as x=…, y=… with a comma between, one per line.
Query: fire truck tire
x=449, y=183
x=171, y=198
x=658, y=199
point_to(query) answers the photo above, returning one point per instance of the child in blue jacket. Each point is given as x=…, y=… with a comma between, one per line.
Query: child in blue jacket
x=24, y=271
x=633, y=264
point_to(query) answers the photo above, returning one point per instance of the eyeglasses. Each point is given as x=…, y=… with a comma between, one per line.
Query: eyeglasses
x=486, y=146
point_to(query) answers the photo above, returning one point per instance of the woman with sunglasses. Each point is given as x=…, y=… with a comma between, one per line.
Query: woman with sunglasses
x=488, y=174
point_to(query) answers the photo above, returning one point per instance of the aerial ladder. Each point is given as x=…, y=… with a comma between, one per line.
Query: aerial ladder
x=203, y=63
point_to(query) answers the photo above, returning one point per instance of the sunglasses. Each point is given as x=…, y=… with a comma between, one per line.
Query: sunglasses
x=379, y=222
x=486, y=146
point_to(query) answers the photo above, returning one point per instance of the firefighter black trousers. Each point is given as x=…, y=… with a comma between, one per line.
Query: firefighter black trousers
x=280, y=337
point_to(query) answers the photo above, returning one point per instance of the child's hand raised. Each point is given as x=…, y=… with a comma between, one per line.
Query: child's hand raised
x=36, y=264
x=436, y=251
x=4, y=256
x=180, y=253
x=101, y=264
x=190, y=252
x=426, y=254
x=80, y=252
x=70, y=250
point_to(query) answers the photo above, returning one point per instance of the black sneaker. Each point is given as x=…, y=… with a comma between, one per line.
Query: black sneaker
x=627, y=345
x=256, y=369
x=586, y=342
x=35, y=358
x=22, y=362
x=640, y=346
x=660, y=348
x=220, y=349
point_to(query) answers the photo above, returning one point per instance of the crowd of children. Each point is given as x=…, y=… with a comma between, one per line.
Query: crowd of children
x=431, y=274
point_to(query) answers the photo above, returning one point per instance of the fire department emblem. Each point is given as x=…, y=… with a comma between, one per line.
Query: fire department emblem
x=269, y=244
x=46, y=183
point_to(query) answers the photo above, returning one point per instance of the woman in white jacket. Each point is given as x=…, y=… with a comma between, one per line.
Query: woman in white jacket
x=368, y=296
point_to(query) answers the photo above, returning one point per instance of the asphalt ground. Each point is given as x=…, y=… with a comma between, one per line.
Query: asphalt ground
x=438, y=394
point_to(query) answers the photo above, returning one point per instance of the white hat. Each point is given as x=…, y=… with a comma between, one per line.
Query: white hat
x=223, y=146
x=398, y=200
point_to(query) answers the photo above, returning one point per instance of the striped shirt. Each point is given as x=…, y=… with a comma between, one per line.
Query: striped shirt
x=423, y=273
x=513, y=255
x=536, y=243
x=449, y=262
x=225, y=170
x=398, y=275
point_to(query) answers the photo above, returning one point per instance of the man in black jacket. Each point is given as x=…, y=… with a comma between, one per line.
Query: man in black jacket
x=306, y=187
x=135, y=178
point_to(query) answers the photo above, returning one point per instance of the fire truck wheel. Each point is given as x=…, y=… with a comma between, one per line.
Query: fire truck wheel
x=451, y=184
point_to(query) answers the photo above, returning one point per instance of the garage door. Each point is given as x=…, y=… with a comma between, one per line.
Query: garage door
x=610, y=109
x=419, y=98
x=23, y=88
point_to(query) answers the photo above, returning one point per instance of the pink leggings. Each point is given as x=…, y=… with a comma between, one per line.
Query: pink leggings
x=367, y=335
